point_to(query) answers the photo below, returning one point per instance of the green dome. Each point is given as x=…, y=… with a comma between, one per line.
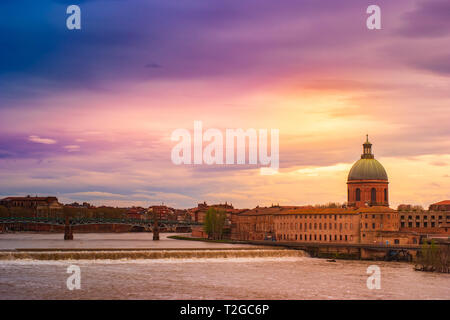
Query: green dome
x=367, y=169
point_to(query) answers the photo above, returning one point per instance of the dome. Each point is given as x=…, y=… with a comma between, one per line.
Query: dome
x=367, y=169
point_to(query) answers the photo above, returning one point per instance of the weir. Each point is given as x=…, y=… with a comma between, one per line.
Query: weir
x=150, y=254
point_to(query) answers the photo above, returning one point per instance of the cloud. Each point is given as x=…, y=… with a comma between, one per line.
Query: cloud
x=437, y=64
x=430, y=18
x=37, y=139
x=72, y=148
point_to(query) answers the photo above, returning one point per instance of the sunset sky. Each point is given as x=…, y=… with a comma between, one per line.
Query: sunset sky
x=87, y=115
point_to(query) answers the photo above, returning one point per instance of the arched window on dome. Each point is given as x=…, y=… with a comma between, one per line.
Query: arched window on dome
x=373, y=195
x=358, y=194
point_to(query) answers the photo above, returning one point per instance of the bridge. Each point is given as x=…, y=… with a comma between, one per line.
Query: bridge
x=68, y=225
x=84, y=221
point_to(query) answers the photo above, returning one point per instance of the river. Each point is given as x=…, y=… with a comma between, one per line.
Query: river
x=280, y=277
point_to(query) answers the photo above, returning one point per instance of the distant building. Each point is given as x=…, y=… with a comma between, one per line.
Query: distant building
x=163, y=212
x=440, y=206
x=434, y=221
x=136, y=213
x=40, y=206
x=199, y=213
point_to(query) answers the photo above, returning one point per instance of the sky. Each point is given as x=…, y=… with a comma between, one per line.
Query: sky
x=87, y=115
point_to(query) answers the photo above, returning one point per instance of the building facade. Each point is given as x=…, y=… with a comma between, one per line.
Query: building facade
x=37, y=206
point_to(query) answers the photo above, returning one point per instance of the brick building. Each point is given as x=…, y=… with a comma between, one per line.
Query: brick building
x=39, y=206
x=376, y=225
x=435, y=220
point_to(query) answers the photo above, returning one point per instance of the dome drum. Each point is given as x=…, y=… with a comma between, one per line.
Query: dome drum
x=367, y=181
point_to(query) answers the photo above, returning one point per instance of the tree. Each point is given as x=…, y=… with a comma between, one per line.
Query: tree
x=214, y=223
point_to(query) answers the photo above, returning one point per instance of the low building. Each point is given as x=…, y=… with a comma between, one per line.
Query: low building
x=369, y=225
x=38, y=206
x=425, y=222
x=198, y=214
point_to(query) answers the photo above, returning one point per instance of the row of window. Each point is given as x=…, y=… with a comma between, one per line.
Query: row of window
x=373, y=195
x=424, y=217
x=419, y=225
x=314, y=216
x=315, y=237
x=315, y=226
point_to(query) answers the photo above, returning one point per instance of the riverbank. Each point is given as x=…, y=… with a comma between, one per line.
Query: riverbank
x=341, y=252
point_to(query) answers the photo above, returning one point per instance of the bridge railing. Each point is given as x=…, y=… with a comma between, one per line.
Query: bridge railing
x=80, y=221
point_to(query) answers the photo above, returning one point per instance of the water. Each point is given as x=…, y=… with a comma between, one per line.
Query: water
x=101, y=240
x=284, y=277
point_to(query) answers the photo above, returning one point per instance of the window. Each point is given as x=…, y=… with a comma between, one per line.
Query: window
x=396, y=241
x=425, y=224
x=417, y=224
x=358, y=194
x=373, y=225
x=385, y=195
x=373, y=195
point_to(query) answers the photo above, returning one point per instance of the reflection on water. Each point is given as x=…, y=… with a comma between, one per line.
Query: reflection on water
x=101, y=240
x=214, y=278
